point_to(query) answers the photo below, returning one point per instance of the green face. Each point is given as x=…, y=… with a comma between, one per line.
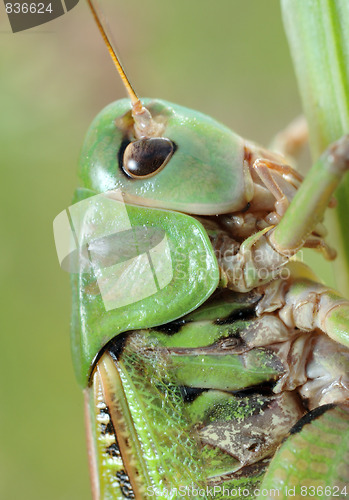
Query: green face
x=203, y=176
x=151, y=261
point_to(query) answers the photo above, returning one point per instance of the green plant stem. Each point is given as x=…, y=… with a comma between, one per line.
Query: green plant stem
x=318, y=36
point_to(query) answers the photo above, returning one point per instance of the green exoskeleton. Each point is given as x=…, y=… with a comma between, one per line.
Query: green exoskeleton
x=213, y=364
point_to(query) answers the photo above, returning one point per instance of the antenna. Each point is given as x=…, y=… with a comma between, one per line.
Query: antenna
x=145, y=126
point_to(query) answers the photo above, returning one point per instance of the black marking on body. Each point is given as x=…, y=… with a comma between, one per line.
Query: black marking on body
x=310, y=417
x=265, y=389
x=113, y=451
x=125, y=484
x=172, y=327
x=189, y=394
x=244, y=314
x=117, y=345
x=107, y=429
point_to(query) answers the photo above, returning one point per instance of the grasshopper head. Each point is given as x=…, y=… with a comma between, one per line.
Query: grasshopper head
x=193, y=165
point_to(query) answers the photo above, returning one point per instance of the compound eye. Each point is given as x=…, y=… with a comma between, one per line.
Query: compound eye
x=146, y=157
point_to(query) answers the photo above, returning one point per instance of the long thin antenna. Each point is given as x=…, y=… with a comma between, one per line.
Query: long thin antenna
x=144, y=124
x=136, y=103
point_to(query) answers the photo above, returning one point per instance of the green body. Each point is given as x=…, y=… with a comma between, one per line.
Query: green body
x=176, y=396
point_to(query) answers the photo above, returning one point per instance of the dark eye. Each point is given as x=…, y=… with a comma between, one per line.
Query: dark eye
x=145, y=157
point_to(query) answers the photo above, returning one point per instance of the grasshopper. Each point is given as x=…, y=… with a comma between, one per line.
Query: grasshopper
x=212, y=362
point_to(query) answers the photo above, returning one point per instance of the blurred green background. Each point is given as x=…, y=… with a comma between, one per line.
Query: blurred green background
x=228, y=59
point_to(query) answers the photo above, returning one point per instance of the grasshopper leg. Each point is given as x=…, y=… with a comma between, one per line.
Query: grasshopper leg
x=262, y=256
x=264, y=170
x=311, y=200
